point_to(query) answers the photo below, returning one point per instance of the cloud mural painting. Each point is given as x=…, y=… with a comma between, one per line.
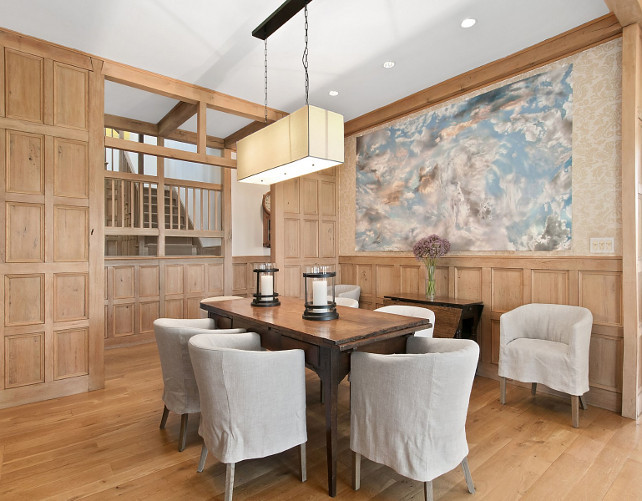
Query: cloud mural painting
x=492, y=172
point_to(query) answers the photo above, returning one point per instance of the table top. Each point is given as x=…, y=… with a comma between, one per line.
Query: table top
x=354, y=326
x=453, y=302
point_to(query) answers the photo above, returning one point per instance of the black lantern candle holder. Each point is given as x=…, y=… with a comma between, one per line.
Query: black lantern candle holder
x=319, y=293
x=265, y=284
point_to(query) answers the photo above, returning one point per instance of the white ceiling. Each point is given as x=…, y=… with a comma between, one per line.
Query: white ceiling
x=209, y=42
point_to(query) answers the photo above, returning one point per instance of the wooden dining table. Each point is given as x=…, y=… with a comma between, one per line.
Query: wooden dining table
x=327, y=344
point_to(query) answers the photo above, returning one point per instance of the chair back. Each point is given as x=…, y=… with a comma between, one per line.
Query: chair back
x=345, y=290
x=346, y=301
x=412, y=311
x=180, y=393
x=408, y=411
x=252, y=401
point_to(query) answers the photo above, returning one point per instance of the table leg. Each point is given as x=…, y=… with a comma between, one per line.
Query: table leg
x=329, y=373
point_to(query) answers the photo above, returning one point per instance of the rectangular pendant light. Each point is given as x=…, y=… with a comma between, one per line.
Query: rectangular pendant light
x=306, y=141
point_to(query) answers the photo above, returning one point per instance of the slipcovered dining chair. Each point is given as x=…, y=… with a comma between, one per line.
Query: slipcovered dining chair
x=418, y=430
x=412, y=311
x=345, y=290
x=180, y=394
x=548, y=344
x=346, y=301
x=252, y=401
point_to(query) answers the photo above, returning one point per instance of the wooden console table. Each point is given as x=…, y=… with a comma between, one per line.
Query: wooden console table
x=453, y=317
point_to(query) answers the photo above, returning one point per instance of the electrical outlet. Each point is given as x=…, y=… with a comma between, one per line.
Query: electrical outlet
x=602, y=246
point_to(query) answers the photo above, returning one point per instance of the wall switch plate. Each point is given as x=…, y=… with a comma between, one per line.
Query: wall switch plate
x=602, y=246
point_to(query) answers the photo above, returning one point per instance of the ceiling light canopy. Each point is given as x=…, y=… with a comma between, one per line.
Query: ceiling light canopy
x=389, y=64
x=306, y=141
x=469, y=22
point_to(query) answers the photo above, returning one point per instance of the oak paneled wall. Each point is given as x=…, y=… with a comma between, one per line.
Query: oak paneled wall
x=305, y=227
x=503, y=283
x=243, y=276
x=48, y=345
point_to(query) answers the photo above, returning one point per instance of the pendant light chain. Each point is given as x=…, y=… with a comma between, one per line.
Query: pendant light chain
x=266, y=83
x=305, y=57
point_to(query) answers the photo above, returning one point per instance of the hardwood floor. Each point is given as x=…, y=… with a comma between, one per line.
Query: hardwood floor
x=107, y=444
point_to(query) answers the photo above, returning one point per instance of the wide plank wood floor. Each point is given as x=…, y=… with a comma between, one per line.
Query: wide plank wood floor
x=107, y=444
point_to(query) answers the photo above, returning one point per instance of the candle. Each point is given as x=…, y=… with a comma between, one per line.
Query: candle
x=320, y=293
x=267, y=287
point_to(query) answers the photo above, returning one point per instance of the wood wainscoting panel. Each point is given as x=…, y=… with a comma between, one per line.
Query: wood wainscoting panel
x=327, y=239
x=347, y=274
x=70, y=87
x=24, y=299
x=148, y=311
x=148, y=281
x=290, y=202
x=387, y=280
x=327, y=198
x=364, y=279
x=173, y=308
x=25, y=232
x=24, y=359
x=124, y=282
x=468, y=283
x=507, y=289
x=494, y=340
x=549, y=286
x=291, y=247
x=410, y=279
x=310, y=240
x=71, y=296
x=239, y=276
x=71, y=353
x=71, y=233
x=215, y=279
x=123, y=320
x=194, y=307
x=174, y=279
x=195, y=274
x=25, y=168
x=605, y=362
x=442, y=280
x=293, y=281
x=309, y=198
x=24, y=87
x=601, y=292
x=70, y=176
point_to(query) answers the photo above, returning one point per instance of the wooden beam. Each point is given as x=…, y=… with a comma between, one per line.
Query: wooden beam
x=176, y=117
x=626, y=11
x=588, y=35
x=162, y=151
x=176, y=89
x=230, y=141
x=201, y=128
x=140, y=127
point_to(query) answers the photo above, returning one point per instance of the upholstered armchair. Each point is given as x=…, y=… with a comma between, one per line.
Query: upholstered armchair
x=252, y=401
x=180, y=393
x=344, y=290
x=347, y=301
x=412, y=311
x=548, y=344
x=418, y=430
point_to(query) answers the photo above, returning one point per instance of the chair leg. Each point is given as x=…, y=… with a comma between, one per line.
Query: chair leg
x=583, y=402
x=201, y=461
x=229, y=481
x=575, y=411
x=533, y=388
x=304, y=462
x=356, y=471
x=164, y=418
x=182, y=439
x=467, y=475
x=321, y=397
x=428, y=490
x=502, y=390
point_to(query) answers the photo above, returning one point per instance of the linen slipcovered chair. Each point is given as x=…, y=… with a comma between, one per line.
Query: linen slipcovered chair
x=344, y=290
x=180, y=393
x=346, y=301
x=412, y=311
x=418, y=430
x=252, y=401
x=548, y=344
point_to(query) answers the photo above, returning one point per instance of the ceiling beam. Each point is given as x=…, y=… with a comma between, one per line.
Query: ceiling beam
x=183, y=91
x=176, y=117
x=230, y=141
x=588, y=35
x=140, y=127
x=626, y=11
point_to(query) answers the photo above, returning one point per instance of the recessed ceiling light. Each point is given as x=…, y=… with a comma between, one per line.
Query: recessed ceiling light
x=334, y=93
x=469, y=22
x=389, y=64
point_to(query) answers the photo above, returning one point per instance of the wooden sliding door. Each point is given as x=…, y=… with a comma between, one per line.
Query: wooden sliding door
x=51, y=333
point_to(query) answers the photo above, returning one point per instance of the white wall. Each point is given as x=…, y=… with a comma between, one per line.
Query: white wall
x=247, y=218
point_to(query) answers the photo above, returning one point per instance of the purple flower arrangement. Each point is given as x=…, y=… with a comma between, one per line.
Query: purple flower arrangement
x=428, y=249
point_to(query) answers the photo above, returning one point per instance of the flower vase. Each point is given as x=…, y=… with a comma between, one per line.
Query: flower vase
x=430, y=281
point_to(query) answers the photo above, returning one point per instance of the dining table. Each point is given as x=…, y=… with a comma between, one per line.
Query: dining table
x=327, y=344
